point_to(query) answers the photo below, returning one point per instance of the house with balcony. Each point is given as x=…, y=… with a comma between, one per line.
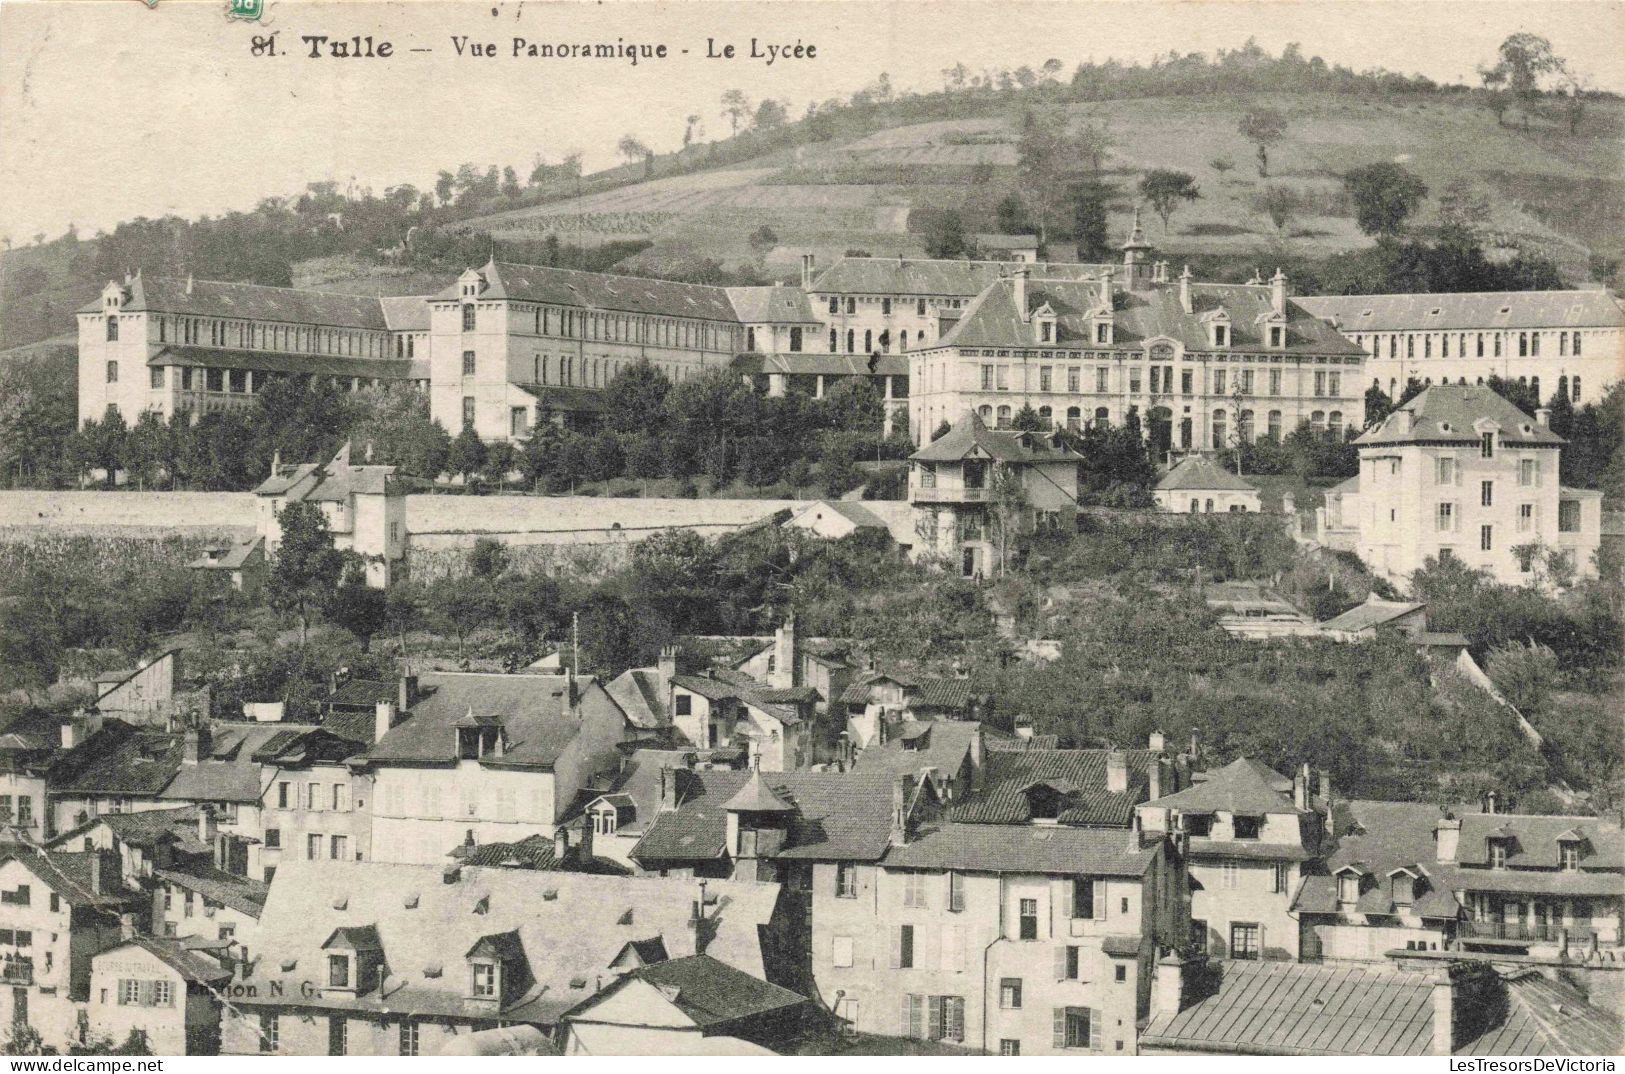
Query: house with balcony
x=975, y=489
x=1410, y=876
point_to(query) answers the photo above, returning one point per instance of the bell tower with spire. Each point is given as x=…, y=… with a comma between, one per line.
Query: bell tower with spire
x=1136, y=252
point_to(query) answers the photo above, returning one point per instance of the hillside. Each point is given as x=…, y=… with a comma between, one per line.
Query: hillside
x=1551, y=193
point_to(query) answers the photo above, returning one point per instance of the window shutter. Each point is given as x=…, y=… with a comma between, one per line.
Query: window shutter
x=934, y=1027
x=904, y=1027
x=1060, y=963
x=956, y=1018
x=897, y=949
x=1455, y=467
x=1100, y=899
x=1260, y=952
x=1097, y=1029
x=1060, y=1027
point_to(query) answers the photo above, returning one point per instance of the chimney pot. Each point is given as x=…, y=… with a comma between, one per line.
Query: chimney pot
x=1544, y=416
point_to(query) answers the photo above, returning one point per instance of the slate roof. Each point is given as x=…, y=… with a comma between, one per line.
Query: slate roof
x=1467, y=310
x=68, y=873
x=637, y=692
x=1201, y=472
x=566, y=397
x=1239, y=787
x=333, y=482
x=722, y=684
x=971, y=438
x=1446, y=413
x=771, y=305
x=992, y=319
x=640, y=782
x=231, y=771
x=238, y=892
x=710, y=992
x=1535, y=842
x=1373, y=613
x=363, y=694
x=300, y=364
x=838, y=816
x=1379, y=837
x=141, y=829
x=228, y=557
x=990, y=848
x=571, y=926
x=920, y=276
x=1548, y=1017
x=406, y=313
x=810, y=363
x=1079, y=774
x=756, y=797
x=249, y=301
x=534, y=710
x=1284, y=1008
x=599, y=291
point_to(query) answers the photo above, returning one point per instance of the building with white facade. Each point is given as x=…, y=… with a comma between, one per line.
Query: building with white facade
x=1458, y=472
x=1198, y=485
x=364, y=505
x=1566, y=342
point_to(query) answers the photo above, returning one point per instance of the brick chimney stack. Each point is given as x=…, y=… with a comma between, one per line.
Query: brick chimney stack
x=665, y=671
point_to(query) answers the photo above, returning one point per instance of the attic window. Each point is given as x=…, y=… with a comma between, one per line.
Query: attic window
x=341, y=903
x=1568, y=854
x=1348, y=888
x=1444, y=426
x=288, y=964
x=411, y=901
x=578, y=982
x=550, y=894
x=626, y=918
x=1247, y=827
x=433, y=969
x=1506, y=309
x=1434, y=312
x=483, y=905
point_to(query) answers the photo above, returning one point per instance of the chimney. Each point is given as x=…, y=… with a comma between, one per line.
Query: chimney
x=1116, y=771
x=1444, y=1011
x=1492, y=802
x=408, y=692
x=668, y=788
x=665, y=670
x=900, y=788
x=1185, y=290
x=976, y=750
x=1404, y=419
x=1326, y=785
x=70, y=733
x=276, y=462
x=1023, y=726
x=1019, y=277
x=1300, y=787
x=1104, y=284
x=207, y=827
x=126, y=927
x=806, y=272
x=1196, y=750
x=1543, y=414
x=1446, y=833
x=1160, y=776
x=96, y=872
x=561, y=842
x=383, y=719
x=1168, y=985
x=1278, y=292
x=191, y=746
x=188, y=283
x=784, y=655
x=1157, y=742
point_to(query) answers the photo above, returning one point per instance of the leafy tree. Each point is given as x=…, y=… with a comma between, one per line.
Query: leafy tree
x=1524, y=62
x=1010, y=215
x=736, y=106
x=770, y=115
x=764, y=238
x=853, y=405
x=1384, y=195
x=99, y=445
x=1377, y=406
x=1221, y=165
x=631, y=148
x=461, y=604
x=1042, y=157
x=1280, y=204
x=1165, y=189
x=1027, y=420
x=1090, y=202
x=633, y=397
x=1263, y=127
x=147, y=449
x=467, y=455
x=358, y=607
x=942, y=430
x=944, y=236
x=306, y=567
x=488, y=559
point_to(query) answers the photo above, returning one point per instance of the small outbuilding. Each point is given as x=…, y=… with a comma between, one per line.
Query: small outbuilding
x=1197, y=485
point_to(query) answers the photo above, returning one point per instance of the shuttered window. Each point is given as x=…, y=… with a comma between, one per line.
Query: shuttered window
x=1075, y=1028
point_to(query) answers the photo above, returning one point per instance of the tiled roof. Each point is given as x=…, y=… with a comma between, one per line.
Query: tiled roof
x=334, y=482
x=1238, y=787
x=325, y=365
x=238, y=892
x=1535, y=840
x=531, y=852
x=1446, y=413
x=1048, y=849
x=1280, y=1008
x=637, y=691
x=945, y=746
x=189, y=964
x=722, y=684
x=251, y=302
x=1373, y=612
x=569, y=398
x=710, y=992
x=229, y=557
x=1201, y=472
x=807, y=363
x=943, y=694
x=570, y=927
x=363, y=693
x=1017, y=744
x=142, y=829
x=534, y=710
x=119, y=759
x=640, y=782
x=971, y=438
x=851, y=510
x=1080, y=775
x=838, y=816
x=68, y=873
x=1415, y=312
x=992, y=320
x=918, y=276
x=357, y=727
x=600, y=291
x=771, y=305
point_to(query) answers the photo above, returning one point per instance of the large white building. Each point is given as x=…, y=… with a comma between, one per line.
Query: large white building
x=1551, y=341
x=1460, y=473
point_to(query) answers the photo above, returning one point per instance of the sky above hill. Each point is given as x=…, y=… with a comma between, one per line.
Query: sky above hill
x=110, y=110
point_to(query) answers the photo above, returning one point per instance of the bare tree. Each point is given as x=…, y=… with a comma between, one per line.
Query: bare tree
x=692, y=129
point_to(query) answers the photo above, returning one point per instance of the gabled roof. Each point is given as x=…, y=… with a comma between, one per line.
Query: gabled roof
x=119, y=759
x=637, y=692
x=1467, y=310
x=1374, y=612
x=532, y=852
x=145, y=828
x=238, y=892
x=1238, y=787
x=946, y=748
x=839, y=816
x=569, y=925
x=812, y=363
x=600, y=291
x=334, y=482
x=1010, y=773
x=1198, y=472
x=1535, y=840
x=971, y=438
x=1449, y=413
x=69, y=874
x=722, y=684
x=1548, y=1017
x=229, y=557
x=535, y=711
x=1281, y=1008
x=1138, y=318
x=851, y=510
x=993, y=848
x=709, y=992
x=771, y=305
x=191, y=965
x=249, y=301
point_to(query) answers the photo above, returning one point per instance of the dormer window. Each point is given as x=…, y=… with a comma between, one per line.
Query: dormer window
x=1348, y=888
x=1277, y=336
x=1221, y=335
x=1569, y=857
x=1248, y=827
x=1498, y=853
x=496, y=966
x=1197, y=824
x=485, y=980
x=355, y=958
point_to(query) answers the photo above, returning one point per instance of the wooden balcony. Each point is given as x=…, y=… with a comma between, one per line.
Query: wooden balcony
x=957, y=494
